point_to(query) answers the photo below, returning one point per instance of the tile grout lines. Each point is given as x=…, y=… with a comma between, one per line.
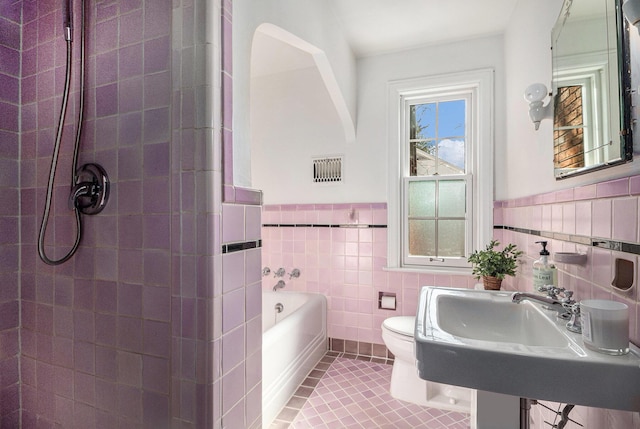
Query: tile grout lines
x=355, y=394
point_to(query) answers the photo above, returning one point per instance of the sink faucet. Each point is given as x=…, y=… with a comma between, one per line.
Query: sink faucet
x=279, y=285
x=566, y=307
x=551, y=303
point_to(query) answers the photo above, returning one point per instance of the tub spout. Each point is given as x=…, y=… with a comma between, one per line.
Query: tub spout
x=279, y=285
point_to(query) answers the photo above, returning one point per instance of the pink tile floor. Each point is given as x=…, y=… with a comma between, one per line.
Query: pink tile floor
x=355, y=394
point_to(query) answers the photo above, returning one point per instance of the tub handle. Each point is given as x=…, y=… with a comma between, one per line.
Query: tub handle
x=294, y=274
x=279, y=307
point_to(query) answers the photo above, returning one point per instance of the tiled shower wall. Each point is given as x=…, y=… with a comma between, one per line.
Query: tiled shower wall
x=10, y=18
x=96, y=331
x=238, y=336
x=121, y=335
x=605, y=212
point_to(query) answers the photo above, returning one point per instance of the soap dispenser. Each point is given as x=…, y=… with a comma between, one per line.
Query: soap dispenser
x=544, y=272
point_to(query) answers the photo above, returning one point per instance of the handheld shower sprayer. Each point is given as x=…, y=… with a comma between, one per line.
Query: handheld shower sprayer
x=89, y=183
x=67, y=19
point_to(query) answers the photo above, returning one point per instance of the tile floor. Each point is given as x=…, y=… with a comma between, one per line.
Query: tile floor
x=349, y=391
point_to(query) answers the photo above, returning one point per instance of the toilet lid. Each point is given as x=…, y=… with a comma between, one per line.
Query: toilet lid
x=403, y=325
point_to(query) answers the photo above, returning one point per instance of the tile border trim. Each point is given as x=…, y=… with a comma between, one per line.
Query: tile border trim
x=621, y=187
x=619, y=246
x=318, y=225
x=238, y=247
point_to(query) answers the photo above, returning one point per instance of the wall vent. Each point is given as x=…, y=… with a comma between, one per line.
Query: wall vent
x=327, y=170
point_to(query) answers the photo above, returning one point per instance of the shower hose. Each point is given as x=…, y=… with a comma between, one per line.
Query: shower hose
x=56, y=150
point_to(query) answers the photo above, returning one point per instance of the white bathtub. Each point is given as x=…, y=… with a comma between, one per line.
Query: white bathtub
x=293, y=341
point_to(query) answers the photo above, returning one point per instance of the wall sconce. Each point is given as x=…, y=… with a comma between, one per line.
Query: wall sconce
x=535, y=94
x=631, y=10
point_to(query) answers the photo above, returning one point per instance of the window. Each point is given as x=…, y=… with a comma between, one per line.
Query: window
x=580, y=124
x=440, y=153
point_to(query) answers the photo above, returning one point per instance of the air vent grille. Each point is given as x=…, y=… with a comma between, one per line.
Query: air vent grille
x=327, y=170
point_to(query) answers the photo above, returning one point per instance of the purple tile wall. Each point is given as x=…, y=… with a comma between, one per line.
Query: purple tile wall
x=99, y=346
x=606, y=210
x=239, y=295
x=123, y=334
x=116, y=337
x=195, y=222
x=241, y=319
x=10, y=20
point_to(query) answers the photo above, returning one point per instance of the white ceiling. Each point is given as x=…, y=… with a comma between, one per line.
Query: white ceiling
x=378, y=26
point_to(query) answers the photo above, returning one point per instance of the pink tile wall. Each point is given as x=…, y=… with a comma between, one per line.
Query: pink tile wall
x=9, y=214
x=345, y=264
x=607, y=210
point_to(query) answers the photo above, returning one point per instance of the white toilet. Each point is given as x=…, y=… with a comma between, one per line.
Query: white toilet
x=406, y=385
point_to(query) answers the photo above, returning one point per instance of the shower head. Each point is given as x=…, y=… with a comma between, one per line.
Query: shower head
x=67, y=19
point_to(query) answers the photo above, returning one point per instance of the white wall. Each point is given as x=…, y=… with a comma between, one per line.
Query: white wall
x=310, y=20
x=523, y=156
x=366, y=163
x=374, y=74
x=525, y=167
x=293, y=121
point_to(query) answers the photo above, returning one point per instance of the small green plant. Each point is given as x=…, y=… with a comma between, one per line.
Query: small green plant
x=495, y=263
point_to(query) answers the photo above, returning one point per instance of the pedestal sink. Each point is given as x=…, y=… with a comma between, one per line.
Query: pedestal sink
x=482, y=340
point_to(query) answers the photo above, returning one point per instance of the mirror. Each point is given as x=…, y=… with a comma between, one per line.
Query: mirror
x=592, y=103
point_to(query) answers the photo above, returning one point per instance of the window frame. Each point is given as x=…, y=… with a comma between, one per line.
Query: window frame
x=436, y=260
x=478, y=160
x=594, y=107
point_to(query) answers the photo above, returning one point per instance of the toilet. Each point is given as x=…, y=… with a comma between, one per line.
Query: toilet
x=406, y=385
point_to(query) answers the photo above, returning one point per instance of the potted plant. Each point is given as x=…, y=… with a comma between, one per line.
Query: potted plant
x=493, y=265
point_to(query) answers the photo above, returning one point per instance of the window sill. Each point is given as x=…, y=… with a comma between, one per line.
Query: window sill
x=430, y=270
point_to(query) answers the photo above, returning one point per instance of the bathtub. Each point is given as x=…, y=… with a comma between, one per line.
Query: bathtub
x=293, y=341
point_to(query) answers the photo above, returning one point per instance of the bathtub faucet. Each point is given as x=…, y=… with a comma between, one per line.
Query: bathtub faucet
x=279, y=285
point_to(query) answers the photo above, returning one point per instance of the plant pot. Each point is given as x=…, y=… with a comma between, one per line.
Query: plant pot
x=491, y=283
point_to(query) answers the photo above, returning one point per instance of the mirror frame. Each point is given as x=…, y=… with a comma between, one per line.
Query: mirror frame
x=624, y=93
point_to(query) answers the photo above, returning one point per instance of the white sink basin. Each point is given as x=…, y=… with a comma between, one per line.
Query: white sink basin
x=487, y=318
x=482, y=340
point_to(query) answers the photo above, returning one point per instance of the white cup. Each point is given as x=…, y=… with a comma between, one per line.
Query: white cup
x=605, y=326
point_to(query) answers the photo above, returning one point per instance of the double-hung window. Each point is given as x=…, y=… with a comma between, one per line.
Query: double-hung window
x=581, y=124
x=441, y=178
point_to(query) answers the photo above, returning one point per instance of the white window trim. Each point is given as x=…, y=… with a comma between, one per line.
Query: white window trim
x=482, y=125
x=415, y=261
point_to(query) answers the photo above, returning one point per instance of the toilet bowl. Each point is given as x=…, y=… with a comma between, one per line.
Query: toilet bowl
x=406, y=385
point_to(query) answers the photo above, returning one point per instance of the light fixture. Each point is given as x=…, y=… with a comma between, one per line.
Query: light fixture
x=535, y=95
x=631, y=10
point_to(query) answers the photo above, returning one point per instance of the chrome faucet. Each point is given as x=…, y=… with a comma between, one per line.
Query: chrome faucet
x=551, y=303
x=294, y=274
x=279, y=285
x=566, y=307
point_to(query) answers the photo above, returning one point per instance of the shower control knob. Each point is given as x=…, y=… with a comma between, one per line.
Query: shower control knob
x=91, y=192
